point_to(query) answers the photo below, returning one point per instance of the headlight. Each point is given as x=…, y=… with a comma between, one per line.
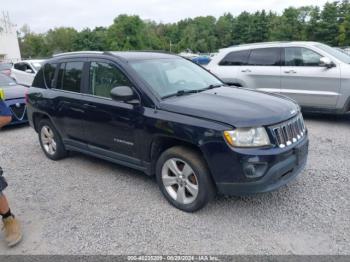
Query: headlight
x=247, y=137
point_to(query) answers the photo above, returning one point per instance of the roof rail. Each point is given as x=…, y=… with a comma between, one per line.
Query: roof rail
x=143, y=51
x=77, y=53
x=258, y=43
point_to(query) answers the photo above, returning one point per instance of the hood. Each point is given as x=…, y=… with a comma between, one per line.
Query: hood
x=15, y=91
x=235, y=106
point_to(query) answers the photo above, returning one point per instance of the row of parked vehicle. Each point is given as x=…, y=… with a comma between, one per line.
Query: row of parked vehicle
x=22, y=72
x=14, y=82
x=315, y=75
x=169, y=117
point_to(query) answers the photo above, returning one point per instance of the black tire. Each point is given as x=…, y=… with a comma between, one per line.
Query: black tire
x=206, y=189
x=60, y=151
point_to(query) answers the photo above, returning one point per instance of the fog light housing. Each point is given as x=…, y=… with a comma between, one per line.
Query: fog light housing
x=254, y=169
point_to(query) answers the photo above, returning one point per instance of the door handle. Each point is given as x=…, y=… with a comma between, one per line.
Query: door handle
x=246, y=71
x=290, y=72
x=90, y=106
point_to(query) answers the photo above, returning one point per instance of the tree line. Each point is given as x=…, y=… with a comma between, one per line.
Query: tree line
x=329, y=24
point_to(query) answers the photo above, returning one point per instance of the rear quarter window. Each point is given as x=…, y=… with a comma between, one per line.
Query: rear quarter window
x=235, y=58
x=45, y=78
x=49, y=75
x=39, y=81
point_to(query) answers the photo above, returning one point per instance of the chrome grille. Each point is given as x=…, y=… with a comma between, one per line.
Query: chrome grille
x=289, y=132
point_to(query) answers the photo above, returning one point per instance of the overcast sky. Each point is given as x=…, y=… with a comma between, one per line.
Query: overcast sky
x=42, y=15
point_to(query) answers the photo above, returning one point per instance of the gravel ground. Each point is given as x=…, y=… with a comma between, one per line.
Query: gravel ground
x=82, y=205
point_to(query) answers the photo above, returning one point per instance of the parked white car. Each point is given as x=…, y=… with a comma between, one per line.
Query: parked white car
x=315, y=75
x=24, y=71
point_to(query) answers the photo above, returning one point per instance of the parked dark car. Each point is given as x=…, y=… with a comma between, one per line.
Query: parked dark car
x=166, y=116
x=14, y=99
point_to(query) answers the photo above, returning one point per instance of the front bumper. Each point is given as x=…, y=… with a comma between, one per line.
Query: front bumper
x=278, y=173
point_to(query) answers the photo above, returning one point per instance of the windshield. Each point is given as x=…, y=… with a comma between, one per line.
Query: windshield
x=6, y=81
x=345, y=58
x=170, y=76
x=36, y=65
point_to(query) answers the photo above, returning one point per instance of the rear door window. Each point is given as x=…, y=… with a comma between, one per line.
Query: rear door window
x=39, y=81
x=265, y=57
x=235, y=58
x=70, y=76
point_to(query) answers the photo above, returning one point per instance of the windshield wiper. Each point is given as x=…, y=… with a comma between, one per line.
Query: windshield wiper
x=192, y=91
x=212, y=87
x=182, y=92
x=186, y=91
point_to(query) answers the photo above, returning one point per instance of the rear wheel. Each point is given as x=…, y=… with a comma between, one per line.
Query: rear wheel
x=184, y=179
x=50, y=141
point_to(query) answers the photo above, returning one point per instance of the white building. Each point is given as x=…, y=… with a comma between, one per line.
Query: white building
x=9, y=47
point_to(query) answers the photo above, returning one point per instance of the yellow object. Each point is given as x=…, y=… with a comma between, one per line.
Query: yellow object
x=2, y=94
x=228, y=137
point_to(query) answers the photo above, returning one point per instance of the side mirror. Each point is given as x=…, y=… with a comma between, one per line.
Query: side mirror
x=326, y=62
x=30, y=71
x=124, y=94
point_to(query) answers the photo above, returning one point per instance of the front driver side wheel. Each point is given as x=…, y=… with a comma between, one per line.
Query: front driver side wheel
x=184, y=179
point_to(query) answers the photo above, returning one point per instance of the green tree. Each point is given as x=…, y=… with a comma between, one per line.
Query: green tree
x=328, y=27
x=61, y=39
x=224, y=30
x=330, y=24
x=89, y=39
x=126, y=33
x=242, y=28
x=290, y=27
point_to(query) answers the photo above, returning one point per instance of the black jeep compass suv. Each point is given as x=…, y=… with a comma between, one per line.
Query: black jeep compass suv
x=166, y=116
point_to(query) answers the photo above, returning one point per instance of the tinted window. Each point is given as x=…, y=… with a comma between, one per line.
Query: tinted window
x=104, y=77
x=20, y=66
x=23, y=66
x=299, y=56
x=236, y=58
x=49, y=74
x=39, y=80
x=69, y=76
x=265, y=57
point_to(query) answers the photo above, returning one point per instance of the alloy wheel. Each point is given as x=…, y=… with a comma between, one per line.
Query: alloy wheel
x=48, y=140
x=180, y=181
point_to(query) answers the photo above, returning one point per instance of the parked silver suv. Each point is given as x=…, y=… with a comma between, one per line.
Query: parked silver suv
x=317, y=76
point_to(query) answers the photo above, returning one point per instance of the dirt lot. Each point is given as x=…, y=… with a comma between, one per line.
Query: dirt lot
x=82, y=205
